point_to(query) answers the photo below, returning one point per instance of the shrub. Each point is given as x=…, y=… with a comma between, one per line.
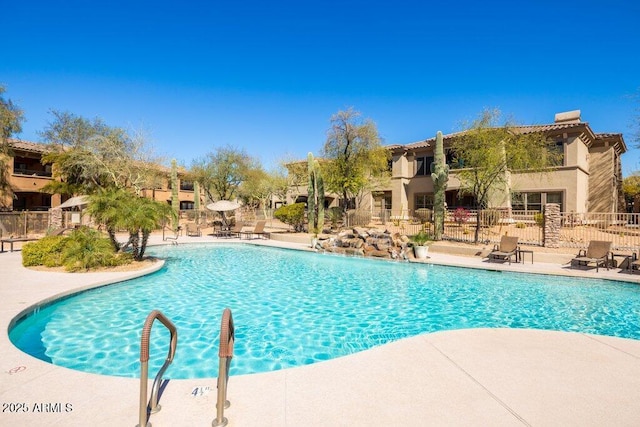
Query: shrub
x=292, y=215
x=539, y=218
x=461, y=215
x=421, y=238
x=521, y=225
x=87, y=248
x=46, y=251
x=81, y=250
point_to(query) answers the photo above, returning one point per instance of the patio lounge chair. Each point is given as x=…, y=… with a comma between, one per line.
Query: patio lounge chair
x=258, y=230
x=507, y=248
x=233, y=232
x=597, y=252
x=193, y=229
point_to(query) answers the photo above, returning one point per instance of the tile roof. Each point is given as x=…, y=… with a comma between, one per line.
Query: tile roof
x=33, y=147
x=582, y=127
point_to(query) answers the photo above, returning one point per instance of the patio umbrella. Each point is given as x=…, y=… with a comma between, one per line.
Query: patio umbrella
x=223, y=205
x=75, y=201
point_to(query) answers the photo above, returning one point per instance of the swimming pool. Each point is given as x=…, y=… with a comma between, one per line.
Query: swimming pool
x=293, y=308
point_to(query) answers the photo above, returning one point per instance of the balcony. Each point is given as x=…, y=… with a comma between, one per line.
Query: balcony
x=31, y=172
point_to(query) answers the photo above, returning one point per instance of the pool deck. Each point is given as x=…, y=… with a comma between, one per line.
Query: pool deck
x=464, y=377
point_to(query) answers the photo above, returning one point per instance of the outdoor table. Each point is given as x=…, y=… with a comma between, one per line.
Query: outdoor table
x=520, y=255
x=12, y=240
x=627, y=259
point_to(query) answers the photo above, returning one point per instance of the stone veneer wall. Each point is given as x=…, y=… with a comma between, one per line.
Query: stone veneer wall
x=55, y=218
x=552, y=226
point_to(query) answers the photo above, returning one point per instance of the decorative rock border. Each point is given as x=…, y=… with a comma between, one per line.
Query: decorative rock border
x=371, y=242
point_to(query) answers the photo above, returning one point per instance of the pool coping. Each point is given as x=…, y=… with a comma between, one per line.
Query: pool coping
x=452, y=377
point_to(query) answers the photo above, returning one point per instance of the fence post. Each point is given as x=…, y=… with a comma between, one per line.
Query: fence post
x=552, y=226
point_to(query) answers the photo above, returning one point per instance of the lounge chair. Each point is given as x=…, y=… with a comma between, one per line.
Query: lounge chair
x=507, y=248
x=258, y=230
x=193, y=229
x=60, y=231
x=633, y=263
x=597, y=252
x=233, y=232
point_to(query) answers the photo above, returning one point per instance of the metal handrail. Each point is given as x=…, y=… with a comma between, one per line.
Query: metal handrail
x=152, y=406
x=227, y=337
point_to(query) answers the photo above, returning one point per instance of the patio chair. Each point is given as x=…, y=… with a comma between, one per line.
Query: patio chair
x=258, y=230
x=233, y=232
x=597, y=252
x=507, y=248
x=193, y=229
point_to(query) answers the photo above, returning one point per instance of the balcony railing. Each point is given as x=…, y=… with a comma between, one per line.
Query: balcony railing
x=31, y=172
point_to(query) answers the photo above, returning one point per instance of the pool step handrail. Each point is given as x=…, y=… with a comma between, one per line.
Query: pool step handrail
x=227, y=337
x=152, y=406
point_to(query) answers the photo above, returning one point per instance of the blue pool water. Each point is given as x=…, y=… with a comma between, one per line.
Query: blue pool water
x=293, y=308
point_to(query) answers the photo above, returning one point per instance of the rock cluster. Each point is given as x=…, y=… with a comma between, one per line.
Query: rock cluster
x=366, y=242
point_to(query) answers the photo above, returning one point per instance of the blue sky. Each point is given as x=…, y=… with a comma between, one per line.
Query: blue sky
x=267, y=76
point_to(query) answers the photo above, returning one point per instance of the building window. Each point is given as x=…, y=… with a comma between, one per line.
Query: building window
x=423, y=201
x=534, y=201
x=423, y=165
x=186, y=185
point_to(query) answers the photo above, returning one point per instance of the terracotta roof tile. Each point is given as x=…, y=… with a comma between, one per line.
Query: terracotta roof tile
x=33, y=147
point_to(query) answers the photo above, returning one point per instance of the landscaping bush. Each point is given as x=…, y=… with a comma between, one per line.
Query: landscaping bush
x=461, y=215
x=83, y=249
x=539, y=218
x=87, y=248
x=46, y=251
x=292, y=215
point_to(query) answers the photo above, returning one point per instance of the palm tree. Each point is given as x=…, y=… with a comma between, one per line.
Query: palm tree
x=141, y=217
x=121, y=209
x=106, y=207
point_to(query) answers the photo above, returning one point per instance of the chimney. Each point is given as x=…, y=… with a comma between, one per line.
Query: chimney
x=568, y=117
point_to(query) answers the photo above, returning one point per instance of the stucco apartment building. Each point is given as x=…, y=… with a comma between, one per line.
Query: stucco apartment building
x=28, y=176
x=588, y=178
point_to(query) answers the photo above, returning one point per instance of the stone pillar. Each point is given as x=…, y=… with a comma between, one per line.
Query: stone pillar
x=552, y=226
x=55, y=218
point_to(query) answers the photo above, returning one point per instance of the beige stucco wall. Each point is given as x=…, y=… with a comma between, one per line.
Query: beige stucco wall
x=574, y=182
x=604, y=192
x=576, y=153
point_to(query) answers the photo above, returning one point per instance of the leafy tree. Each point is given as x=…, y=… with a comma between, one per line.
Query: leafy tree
x=292, y=215
x=488, y=151
x=631, y=188
x=260, y=186
x=11, y=118
x=355, y=159
x=221, y=172
x=88, y=155
x=294, y=178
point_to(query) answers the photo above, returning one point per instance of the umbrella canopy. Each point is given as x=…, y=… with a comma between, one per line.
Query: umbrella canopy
x=75, y=201
x=223, y=205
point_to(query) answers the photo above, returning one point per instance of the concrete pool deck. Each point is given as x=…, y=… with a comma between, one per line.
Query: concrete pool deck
x=462, y=377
